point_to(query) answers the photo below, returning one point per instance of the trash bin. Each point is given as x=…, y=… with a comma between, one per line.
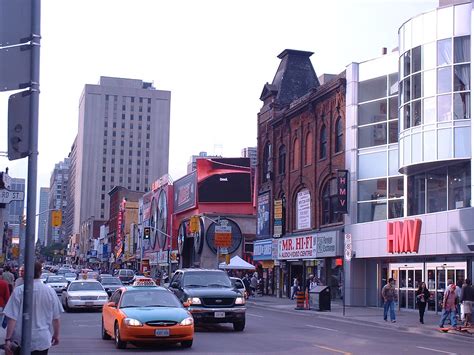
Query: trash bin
x=320, y=298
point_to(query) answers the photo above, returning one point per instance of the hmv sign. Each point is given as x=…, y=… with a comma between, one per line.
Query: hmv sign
x=342, y=184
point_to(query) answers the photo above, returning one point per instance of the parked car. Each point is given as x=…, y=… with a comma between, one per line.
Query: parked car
x=125, y=275
x=84, y=294
x=209, y=296
x=57, y=283
x=239, y=285
x=148, y=314
x=110, y=284
x=45, y=275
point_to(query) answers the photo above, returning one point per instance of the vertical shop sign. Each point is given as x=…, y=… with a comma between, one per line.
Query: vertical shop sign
x=342, y=183
x=263, y=216
x=277, y=218
x=303, y=212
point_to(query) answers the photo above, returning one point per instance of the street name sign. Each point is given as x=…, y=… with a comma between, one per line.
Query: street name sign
x=7, y=196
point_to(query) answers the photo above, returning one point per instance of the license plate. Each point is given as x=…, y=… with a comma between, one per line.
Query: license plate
x=89, y=303
x=162, y=332
x=219, y=314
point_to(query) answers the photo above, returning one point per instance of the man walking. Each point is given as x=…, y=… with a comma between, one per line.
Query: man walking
x=9, y=277
x=449, y=305
x=389, y=295
x=45, y=316
x=467, y=299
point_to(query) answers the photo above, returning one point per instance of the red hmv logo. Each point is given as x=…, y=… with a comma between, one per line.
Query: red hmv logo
x=403, y=236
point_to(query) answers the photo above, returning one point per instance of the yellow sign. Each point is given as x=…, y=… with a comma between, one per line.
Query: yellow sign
x=194, y=224
x=15, y=251
x=278, y=209
x=56, y=218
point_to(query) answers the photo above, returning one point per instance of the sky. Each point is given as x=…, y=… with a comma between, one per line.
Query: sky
x=214, y=57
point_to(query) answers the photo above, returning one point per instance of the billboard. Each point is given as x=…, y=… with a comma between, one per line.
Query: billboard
x=185, y=193
x=263, y=216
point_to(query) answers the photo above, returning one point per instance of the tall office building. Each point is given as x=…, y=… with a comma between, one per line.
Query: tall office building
x=123, y=140
x=16, y=211
x=250, y=152
x=43, y=215
x=58, y=200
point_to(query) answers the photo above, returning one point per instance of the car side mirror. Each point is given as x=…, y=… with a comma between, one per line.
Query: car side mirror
x=175, y=285
x=111, y=304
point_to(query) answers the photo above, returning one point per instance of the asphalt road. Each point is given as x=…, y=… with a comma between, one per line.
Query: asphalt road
x=273, y=332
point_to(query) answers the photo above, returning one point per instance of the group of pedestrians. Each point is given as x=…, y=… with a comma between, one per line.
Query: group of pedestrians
x=454, y=297
x=45, y=312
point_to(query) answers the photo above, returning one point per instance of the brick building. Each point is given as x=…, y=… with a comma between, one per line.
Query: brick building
x=300, y=149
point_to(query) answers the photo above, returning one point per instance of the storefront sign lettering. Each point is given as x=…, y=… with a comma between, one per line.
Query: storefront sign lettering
x=403, y=236
x=303, y=212
x=342, y=180
x=296, y=248
x=262, y=250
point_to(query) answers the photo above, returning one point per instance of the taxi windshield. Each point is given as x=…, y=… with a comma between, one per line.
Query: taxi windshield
x=86, y=286
x=149, y=298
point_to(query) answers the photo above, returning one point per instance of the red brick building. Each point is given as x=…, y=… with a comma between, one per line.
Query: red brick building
x=300, y=148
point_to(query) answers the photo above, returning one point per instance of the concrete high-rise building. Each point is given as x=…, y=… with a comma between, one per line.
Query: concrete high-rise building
x=68, y=219
x=16, y=211
x=193, y=159
x=123, y=140
x=58, y=200
x=43, y=215
x=250, y=152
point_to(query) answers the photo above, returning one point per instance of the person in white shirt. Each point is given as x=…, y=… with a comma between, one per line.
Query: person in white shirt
x=45, y=316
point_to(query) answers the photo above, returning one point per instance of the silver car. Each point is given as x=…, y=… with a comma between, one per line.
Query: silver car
x=57, y=283
x=84, y=294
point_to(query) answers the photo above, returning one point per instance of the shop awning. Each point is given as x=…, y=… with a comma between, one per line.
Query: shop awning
x=237, y=263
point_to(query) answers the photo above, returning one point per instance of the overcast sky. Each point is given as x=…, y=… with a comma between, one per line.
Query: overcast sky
x=214, y=57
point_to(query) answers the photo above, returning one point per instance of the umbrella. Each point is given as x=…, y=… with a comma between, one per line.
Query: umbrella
x=237, y=263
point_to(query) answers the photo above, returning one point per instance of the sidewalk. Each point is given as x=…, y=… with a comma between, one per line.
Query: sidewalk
x=406, y=320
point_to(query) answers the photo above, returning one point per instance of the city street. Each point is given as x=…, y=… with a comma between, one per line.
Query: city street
x=271, y=331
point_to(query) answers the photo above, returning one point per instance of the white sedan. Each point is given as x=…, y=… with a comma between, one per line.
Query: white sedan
x=84, y=294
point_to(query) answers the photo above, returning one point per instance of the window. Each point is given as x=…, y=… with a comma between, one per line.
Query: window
x=323, y=142
x=266, y=169
x=296, y=154
x=282, y=160
x=308, y=149
x=339, y=136
x=329, y=203
x=372, y=89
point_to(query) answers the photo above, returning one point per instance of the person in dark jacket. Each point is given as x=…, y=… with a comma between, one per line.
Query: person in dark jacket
x=467, y=299
x=422, y=297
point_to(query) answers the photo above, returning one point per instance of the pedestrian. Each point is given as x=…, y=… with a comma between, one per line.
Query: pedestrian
x=467, y=299
x=4, y=293
x=309, y=283
x=389, y=295
x=246, y=281
x=449, y=305
x=458, y=295
x=46, y=310
x=422, y=297
x=21, y=272
x=8, y=277
x=253, y=284
x=294, y=288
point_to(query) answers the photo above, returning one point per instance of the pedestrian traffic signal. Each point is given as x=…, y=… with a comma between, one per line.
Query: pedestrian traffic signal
x=146, y=233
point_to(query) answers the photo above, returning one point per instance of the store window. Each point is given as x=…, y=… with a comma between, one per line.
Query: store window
x=339, y=136
x=295, y=162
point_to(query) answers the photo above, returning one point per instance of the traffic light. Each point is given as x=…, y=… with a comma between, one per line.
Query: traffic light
x=56, y=218
x=146, y=233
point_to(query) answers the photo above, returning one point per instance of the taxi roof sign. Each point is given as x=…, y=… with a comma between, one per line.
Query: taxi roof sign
x=144, y=281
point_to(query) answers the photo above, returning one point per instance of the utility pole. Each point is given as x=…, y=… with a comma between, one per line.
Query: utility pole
x=32, y=177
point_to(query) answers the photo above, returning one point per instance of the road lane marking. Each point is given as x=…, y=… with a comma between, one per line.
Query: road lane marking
x=316, y=326
x=438, y=351
x=333, y=350
x=254, y=315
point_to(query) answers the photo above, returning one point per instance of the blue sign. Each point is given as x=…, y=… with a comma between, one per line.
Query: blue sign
x=262, y=250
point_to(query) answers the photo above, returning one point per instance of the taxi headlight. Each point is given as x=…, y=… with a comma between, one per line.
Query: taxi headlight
x=187, y=321
x=194, y=300
x=132, y=322
x=74, y=298
x=240, y=300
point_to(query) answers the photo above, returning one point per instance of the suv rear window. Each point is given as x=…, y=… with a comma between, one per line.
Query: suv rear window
x=206, y=279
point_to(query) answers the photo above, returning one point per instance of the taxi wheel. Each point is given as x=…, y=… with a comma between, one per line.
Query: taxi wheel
x=187, y=343
x=105, y=336
x=66, y=307
x=119, y=344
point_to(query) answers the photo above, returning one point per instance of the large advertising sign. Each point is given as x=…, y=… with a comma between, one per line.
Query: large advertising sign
x=263, y=216
x=262, y=250
x=277, y=218
x=403, y=236
x=303, y=210
x=342, y=183
x=119, y=241
x=318, y=245
x=185, y=193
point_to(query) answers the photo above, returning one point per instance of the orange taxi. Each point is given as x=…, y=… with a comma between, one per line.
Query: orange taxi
x=146, y=313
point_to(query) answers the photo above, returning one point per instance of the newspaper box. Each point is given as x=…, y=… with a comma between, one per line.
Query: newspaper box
x=320, y=298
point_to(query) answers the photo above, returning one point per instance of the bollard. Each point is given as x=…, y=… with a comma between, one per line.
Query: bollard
x=300, y=300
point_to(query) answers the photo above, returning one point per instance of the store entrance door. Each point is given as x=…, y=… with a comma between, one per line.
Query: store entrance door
x=296, y=271
x=438, y=277
x=407, y=278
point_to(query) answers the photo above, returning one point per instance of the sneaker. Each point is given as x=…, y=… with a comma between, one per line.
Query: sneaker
x=393, y=320
x=385, y=319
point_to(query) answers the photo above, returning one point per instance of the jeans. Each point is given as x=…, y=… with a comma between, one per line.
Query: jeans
x=421, y=310
x=448, y=313
x=386, y=306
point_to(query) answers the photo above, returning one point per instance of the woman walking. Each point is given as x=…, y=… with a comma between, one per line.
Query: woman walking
x=422, y=297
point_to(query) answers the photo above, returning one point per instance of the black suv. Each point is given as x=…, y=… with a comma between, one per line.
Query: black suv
x=209, y=296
